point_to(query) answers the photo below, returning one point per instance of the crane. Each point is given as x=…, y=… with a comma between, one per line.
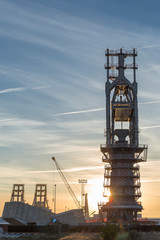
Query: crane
x=67, y=184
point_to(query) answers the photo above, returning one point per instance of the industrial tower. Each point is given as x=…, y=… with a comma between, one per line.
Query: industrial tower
x=17, y=193
x=40, y=197
x=122, y=150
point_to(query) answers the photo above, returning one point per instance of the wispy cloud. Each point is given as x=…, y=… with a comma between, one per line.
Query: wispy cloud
x=20, y=122
x=149, y=46
x=9, y=90
x=19, y=89
x=11, y=173
x=150, y=180
x=79, y=112
x=97, y=109
x=153, y=102
x=38, y=88
x=68, y=170
x=149, y=127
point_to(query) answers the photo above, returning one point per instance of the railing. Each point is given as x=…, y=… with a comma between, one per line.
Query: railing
x=122, y=156
x=109, y=175
x=106, y=185
x=107, y=166
x=120, y=165
x=122, y=184
x=126, y=52
x=138, y=194
x=126, y=156
x=139, y=155
x=116, y=66
x=143, y=146
x=101, y=204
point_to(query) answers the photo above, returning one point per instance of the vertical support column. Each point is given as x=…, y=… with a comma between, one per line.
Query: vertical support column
x=134, y=65
x=136, y=115
x=121, y=63
x=135, y=100
x=108, y=140
x=55, y=198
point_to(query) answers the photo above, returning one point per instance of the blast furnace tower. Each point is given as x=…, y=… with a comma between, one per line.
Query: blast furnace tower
x=122, y=150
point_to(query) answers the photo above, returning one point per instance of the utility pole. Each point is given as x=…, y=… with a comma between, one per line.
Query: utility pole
x=55, y=198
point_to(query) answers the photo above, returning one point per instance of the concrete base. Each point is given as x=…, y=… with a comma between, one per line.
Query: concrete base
x=18, y=213
x=25, y=214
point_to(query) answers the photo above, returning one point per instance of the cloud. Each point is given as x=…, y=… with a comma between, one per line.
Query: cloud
x=150, y=127
x=79, y=112
x=19, y=89
x=149, y=46
x=150, y=180
x=11, y=172
x=41, y=87
x=9, y=90
x=97, y=109
x=68, y=170
x=19, y=122
x=153, y=102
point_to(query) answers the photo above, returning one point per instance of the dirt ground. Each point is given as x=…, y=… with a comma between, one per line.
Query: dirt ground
x=78, y=236
x=84, y=236
x=151, y=236
x=73, y=236
x=96, y=236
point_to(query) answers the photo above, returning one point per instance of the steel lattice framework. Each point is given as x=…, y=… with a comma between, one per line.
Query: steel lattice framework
x=122, y=150
x=40, y=197
x=17, y=193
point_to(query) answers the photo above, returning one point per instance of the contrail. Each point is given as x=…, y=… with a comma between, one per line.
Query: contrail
x=78, y=112
x=68, y=170
x=149, y=46
x=157, y=180
x=9, y=90
x=96, y=109
x=41, y=87
x=12, y=90
x=11, y=173
x=150, y=102
x=155, y=126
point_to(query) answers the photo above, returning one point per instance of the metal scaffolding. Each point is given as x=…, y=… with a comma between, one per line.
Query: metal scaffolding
x=40, y=197
x=17, y=193
x=122, y=150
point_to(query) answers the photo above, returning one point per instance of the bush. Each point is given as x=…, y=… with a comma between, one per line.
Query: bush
x=110, y=231
x=134, y=235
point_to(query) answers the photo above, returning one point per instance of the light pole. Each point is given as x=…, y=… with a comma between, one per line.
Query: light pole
x=55, y=198
x=54, y=188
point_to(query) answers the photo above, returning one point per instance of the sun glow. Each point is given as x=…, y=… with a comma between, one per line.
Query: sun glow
x=95, y=194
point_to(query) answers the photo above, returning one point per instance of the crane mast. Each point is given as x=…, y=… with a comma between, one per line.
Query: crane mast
x=67, y=184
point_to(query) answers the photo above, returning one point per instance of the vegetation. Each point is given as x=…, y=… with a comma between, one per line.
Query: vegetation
x=134, y=235
x=110, y=231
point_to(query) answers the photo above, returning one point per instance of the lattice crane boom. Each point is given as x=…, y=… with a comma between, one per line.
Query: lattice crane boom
x=67, y=184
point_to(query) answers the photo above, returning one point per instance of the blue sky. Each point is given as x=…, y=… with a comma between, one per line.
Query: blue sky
x=52, y=91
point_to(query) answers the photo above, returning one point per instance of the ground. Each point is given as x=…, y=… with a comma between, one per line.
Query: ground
x=76, y=236
x=82, y=236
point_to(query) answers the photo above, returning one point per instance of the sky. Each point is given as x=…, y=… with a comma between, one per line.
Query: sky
x=52, y=99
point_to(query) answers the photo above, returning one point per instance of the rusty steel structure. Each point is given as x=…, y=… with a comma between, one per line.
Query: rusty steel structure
x=122, y=151
x=40, y=197
x=17, y=193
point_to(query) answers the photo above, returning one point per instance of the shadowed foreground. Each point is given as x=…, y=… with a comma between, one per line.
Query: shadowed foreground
x=78, y=236
x=84, y=236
